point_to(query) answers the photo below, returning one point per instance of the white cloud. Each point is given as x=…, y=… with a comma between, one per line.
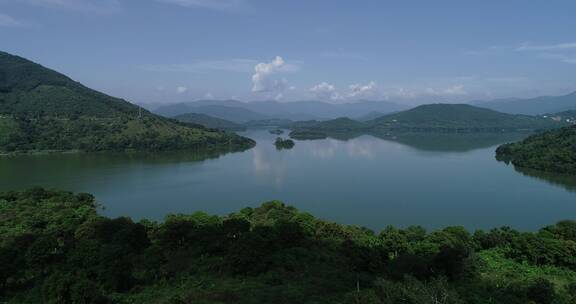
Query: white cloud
x=363, y=91
x=565, y=52
x=325, y=91
x=454, y=90
x=491, y=50
x=9, y=21
x=508, y=80
x=209, y=95
x=181, y=90
x=414, y=93
x=230, y=65
x=265, y=77
x=87, y=6
x=562, y=57
x=210, y=4
x=550, y=47
x=401, y=93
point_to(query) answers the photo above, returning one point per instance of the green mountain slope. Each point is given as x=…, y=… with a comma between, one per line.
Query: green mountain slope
x=436, y=118
x=41, y=109
x=459, y=117
x=209, y=121
x=553, y=151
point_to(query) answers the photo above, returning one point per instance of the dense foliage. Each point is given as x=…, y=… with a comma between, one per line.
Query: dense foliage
x=54, y=248
x=281, y=143
x=553, y=151
x=23, y=134
x=41, y=110
x=210, y=122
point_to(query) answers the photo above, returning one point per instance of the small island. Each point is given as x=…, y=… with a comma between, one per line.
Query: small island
x=282, y=144
x=276, y=131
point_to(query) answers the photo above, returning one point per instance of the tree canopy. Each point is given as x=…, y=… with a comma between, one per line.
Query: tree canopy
x=55, y=248
x=552, y=151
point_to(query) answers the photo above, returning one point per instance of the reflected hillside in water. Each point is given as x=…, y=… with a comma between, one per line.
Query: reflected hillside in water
x=440, y=142
x=567, y=182
x=15, y=169
x=452, y=142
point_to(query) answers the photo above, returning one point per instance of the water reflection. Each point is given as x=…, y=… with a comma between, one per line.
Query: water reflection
x=567, y=182
x=451, y=142
x=325, y=149
x=437, y=142
x=269, y=164
x=49, y=169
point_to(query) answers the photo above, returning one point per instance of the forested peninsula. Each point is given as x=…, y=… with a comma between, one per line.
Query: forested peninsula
x=552, y=151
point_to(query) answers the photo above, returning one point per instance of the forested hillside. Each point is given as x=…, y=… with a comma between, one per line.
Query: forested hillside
x=41, y=110
x=460, y=117
x=209, y=122
x=552, y=151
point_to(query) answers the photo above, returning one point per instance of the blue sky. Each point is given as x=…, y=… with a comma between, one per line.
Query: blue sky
x=161, y=51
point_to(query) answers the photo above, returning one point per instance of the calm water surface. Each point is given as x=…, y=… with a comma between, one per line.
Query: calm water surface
x=433, y=181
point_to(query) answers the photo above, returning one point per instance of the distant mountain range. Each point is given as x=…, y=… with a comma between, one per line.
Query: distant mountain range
x=443, y=118
x=231, y=113
x=43, y=110
x=242, y=112
x=531, y=106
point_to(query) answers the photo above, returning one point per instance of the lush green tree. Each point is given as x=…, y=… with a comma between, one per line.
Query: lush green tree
x=54, y=248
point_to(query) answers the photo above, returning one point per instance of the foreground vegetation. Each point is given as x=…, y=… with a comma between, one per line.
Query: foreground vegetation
x=552, y=151
x=55, y=248
x=43, y=110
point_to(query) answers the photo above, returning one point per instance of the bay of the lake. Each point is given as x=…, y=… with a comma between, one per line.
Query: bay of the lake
x=428, y=180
